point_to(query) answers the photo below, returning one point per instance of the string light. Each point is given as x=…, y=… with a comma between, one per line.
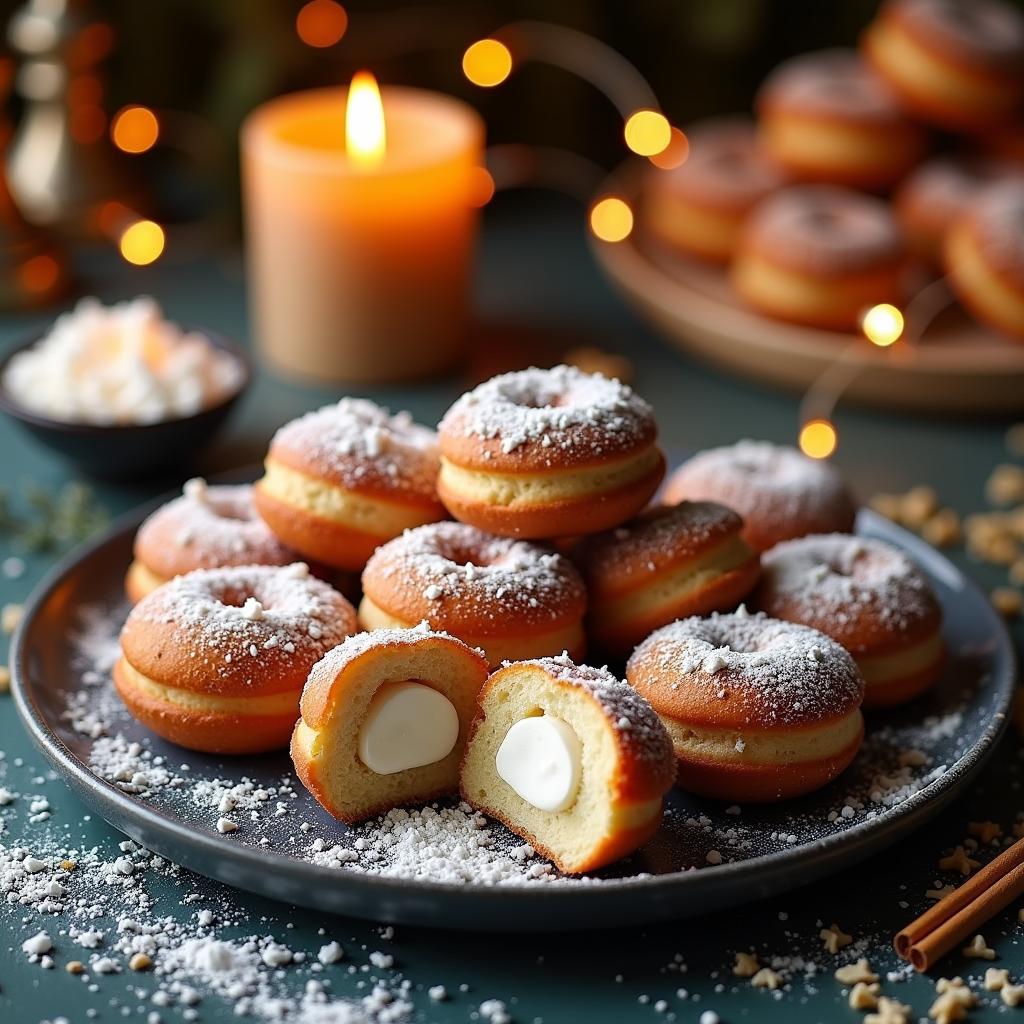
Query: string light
x=39, y=274
x=818, y=439
x=882, y=325
x=647, y=132
x=611, y=219
x=135, y=129
x=674, y=154
x=142, y=242
x=321, y=23
x=487, y=63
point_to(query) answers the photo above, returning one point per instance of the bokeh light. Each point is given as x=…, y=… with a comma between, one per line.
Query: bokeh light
x=674, y=154
x=321, y=23
x=481, y=186
x=488, y=62
x=882, y=325
x=611, y=219
x=142, y=242
x=647, y=132
x=818, y=439
x=135, y=129
x=39, y=274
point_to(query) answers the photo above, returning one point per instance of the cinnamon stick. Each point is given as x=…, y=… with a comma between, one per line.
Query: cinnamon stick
x=963, y=911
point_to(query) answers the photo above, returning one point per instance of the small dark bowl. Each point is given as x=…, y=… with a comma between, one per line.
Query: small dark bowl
x=129, y=451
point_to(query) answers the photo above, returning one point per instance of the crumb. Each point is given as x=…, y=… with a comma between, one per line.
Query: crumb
x=10, y=616
x=746, y=965
x=890, y=1011
x=913, y=758
x=864, y=996
x=888, y=505
x=74, y=967
x=834, y=938
x=986, y=831
x=5, y=679
x=1005, y=485
x=851, y=974
x=996, y=978
x=979, y=949
x=942, y=530
x=140, y=962
x=918, y=505
x=1012, y=995
x=941, y=893
x=766, y=978
x=1008, y=601
x=958, y=861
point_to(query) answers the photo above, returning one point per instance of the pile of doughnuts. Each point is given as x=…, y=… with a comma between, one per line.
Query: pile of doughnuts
x=866, y=172
x=494, y=554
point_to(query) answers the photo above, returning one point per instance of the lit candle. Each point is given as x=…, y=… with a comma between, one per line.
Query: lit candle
x=361, y=215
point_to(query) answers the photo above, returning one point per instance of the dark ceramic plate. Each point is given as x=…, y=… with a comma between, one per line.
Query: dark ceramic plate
x=765, y=850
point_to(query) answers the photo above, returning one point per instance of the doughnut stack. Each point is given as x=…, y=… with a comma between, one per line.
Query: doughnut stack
x=867, y=171
x=497, y=557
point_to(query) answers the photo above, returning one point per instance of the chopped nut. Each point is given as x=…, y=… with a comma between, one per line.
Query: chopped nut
x=5, y=679
x=996, y=978
x=1017, y=572
x=74, y=967
x=10, y=616
x=1012, y=995
x=1008, y=601
x=942, y=529
x=746, y=965
x=888, y=505
x=959, y=861
x=1001, y=549
x=140, y=962
x=864, y=996
x=941, y=893
x=890, y=1011
x=979, y=949
x=766, y=978
x=1006, y=485
x=851, y=974
x=69, y=865
x=595, y=360
x=986, y=831
x=917, y=505
x=834, y=938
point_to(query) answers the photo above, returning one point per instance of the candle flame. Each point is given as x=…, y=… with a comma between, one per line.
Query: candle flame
x=364, y=121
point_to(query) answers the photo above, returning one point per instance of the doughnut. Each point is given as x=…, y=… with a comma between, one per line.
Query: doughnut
x=828, y=117
x=510, y=598
x=869, y=597
x=958, y=65
x=548, y=453
x=666, y=564
x=699, y=207
x=779, y=492
x=984, y=258
x=205, y=528
x=758, y=709
x=934, y=195
x=343, y=479
x=571, y=759
x=820, y=255
x=384, y=720
x=216, y=660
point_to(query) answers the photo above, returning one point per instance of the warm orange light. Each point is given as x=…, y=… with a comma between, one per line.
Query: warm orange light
x=647, y=132
x=87, y=123
x=39, y=274
x=611, y=219
x=487, y=63
x=321, y=23
x=142, y=242
x=135, y=129
x=365, y=134
x=818, y=439
x=481, y=187
x=674, y=154
x=882, y=325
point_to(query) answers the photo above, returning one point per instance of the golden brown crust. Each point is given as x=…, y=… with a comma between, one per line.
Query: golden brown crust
x=894, y=692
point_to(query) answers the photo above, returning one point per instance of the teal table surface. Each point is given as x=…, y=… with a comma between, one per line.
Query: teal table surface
x=538, y=294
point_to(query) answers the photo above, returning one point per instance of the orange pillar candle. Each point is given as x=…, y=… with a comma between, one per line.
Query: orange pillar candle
x=360, y=222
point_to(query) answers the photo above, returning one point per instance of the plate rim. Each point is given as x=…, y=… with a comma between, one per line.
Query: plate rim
x=867, y=836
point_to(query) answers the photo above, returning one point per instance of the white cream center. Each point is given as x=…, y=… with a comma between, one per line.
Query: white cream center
x=540, y=759
x=408, y=725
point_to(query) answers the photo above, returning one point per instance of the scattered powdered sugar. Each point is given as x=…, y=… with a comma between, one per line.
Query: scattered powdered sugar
x=453, y=572
x=796, y=672
x=561, y=408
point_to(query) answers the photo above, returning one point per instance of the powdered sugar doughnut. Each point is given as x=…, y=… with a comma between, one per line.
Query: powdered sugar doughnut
x=780, y=492
x=868, y=596
x=571, y=759
x=959, y=65
x=820, y=255
x=548, y=453
x=205, y=528
x=510, y=598
x=343, y=479
x=828, y=117
x=984, y=258
x=758, y=709
x=216, y=660
x=666, y=564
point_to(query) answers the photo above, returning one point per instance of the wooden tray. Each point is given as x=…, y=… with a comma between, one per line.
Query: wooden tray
x=957, y=366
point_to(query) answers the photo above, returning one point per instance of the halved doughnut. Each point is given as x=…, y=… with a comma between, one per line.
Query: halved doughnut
x=571, y=759
x=385, y=718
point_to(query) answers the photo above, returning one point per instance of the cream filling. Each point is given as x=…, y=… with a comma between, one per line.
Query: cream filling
x=496, y=648
x=986, y=289
x=337, y=504
x=883, y=668
x=144, y=578
x=189, y=700
x=760, y=747
x=541, y=759
x=634, y=814
x=518, y=489
x=670, y=587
